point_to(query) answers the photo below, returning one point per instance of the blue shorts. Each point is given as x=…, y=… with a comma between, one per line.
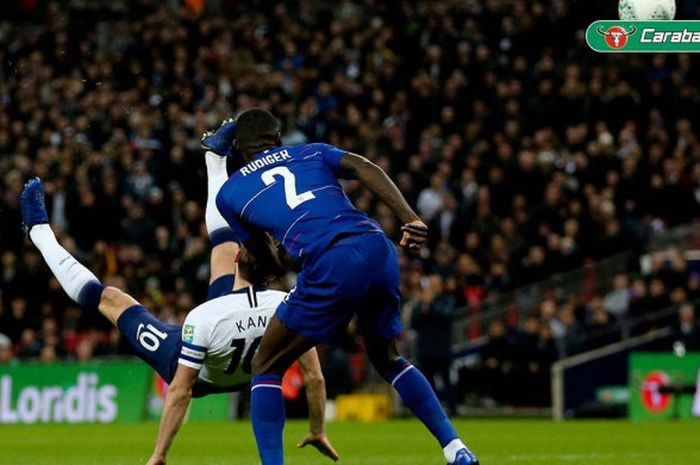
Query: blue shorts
x=358, y=275
x=155, y=342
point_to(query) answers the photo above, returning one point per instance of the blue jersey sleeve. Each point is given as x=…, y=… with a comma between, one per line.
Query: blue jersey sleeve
x=332, y=155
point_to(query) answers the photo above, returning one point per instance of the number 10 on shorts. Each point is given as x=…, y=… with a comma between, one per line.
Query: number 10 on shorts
x=149, y=336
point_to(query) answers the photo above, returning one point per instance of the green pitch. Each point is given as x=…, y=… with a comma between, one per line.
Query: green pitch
x=497, y=442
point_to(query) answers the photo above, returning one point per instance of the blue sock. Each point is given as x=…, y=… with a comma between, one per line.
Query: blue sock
x=267, y=413
x=418, y=395
x=90, y=294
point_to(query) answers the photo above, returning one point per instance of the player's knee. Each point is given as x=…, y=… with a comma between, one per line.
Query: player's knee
x=113, y=302
x=257, y=366
x=111, y=296
x=384, y=360
x=384, y=363
x=266, y=364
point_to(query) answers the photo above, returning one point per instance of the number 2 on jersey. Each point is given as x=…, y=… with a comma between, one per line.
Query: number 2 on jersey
x=290, y=189
x=237, y=354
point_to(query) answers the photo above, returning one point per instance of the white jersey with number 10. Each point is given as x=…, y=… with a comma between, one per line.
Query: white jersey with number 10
x=220, y=337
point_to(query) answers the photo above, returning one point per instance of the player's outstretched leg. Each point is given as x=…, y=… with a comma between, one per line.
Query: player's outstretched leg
x=77, y=281
x=418, y=395
x=278, y=350
x=221, y=237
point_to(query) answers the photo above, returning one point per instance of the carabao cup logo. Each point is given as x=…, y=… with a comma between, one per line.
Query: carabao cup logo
x=616, y=36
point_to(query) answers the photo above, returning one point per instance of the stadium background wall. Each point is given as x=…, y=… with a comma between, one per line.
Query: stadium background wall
x=106, y=392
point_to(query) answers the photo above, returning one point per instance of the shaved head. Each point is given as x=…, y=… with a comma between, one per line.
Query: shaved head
x=256, y=130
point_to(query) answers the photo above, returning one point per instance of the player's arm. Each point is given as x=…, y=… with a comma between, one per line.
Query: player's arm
x=177, y=400
x=415, y=232
x=315, y=386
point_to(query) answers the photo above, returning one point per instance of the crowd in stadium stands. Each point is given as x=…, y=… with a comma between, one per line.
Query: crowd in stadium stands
x=524, y=152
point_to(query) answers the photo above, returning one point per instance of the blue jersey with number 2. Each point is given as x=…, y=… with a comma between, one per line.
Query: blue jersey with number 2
x=292, y=192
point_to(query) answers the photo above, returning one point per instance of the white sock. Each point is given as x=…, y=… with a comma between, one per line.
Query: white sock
x=71, y=274
x=451, y=449
x=216, y=177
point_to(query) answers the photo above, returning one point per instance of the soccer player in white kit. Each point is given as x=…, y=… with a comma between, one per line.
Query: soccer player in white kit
x=212, y=351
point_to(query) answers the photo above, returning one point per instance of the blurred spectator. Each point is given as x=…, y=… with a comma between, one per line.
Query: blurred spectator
x=569, y=342
x=48, y=355
x=29, y=346
x=687, y=330
x=84, y=351
x=6, y=355
x=497, y=359
x=430, y=200
x=618, y=299
x=432, y=319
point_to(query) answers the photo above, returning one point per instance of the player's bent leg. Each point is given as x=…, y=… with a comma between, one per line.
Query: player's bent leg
x=279, y=347
x=77, y=281
x=222, y=238
x=223, y=257
x=221, y=286
x=418, y=395
x=223, y=268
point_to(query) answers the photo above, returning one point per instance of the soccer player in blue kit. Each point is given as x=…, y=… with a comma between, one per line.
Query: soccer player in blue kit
x=212, y=352
x=348, y=268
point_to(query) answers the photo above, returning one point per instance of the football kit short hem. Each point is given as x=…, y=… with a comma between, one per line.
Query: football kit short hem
x=358, y=275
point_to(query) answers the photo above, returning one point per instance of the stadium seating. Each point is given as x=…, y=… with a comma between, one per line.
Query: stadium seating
x=526, y=156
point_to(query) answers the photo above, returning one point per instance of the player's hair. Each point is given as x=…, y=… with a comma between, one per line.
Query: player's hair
x=256, y=130
x=261, y=260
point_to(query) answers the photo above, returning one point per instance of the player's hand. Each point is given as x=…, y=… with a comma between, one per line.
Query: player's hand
x=321, y=443
x=156, y=459
x=415, y=235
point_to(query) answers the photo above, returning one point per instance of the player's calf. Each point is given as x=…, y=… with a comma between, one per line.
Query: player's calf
x=279, y=347
x=418, y=395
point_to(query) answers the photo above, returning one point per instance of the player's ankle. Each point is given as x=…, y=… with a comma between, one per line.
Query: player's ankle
x=451, y=449
x=214, y=158
x=41, y=233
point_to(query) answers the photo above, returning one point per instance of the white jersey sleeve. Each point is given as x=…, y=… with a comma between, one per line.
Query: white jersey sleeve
x=196, y=340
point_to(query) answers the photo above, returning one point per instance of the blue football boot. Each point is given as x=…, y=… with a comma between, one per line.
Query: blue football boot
x=32, y=205
x=221, y=141
x=465, y=457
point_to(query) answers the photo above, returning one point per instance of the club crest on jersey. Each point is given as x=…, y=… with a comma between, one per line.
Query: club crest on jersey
x=616, y=36
x=188, y=333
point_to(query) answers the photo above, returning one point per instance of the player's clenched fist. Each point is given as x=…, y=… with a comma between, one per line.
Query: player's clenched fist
x=415, y=235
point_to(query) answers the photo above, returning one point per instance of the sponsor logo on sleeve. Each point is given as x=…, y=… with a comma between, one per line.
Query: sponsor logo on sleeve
x=188, y=333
